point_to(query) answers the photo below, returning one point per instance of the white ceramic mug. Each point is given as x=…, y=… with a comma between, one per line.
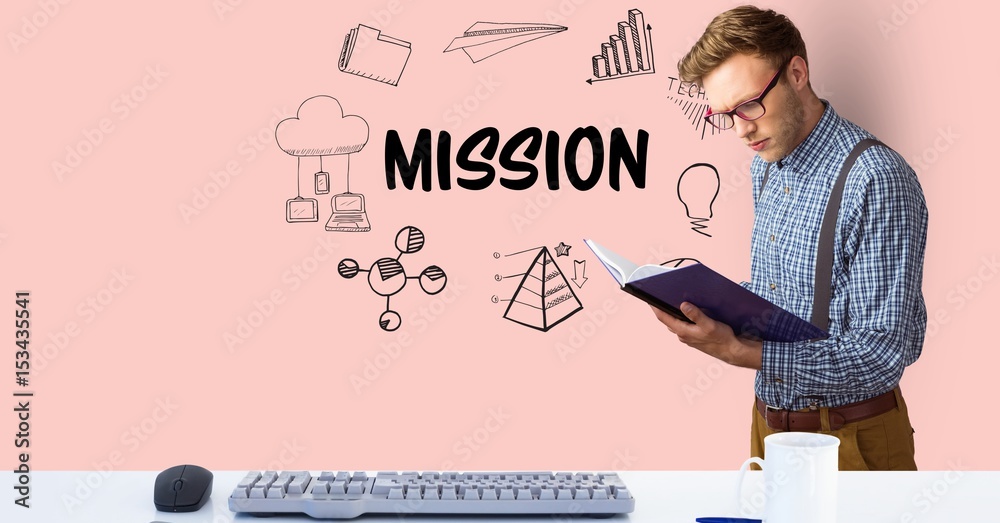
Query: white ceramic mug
x=800, y=479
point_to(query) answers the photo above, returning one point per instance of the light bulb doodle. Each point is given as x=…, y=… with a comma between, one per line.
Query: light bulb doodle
x=697, y=188
x=387, y=276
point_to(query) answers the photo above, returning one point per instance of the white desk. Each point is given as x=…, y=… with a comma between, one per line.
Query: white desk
x=661, y=497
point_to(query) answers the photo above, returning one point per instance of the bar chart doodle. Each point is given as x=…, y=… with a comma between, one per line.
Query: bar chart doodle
x=627, y=53
x=485, y=39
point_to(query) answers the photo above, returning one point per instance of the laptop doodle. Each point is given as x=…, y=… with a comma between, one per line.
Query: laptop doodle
x=349, y=213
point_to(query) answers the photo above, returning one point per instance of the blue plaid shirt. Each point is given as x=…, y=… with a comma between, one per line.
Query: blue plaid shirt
x=877, y=313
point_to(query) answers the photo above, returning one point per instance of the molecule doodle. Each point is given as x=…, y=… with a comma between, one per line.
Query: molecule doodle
x=387, y=277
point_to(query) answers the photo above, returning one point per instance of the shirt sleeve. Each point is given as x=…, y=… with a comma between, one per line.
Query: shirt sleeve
x=885, y=320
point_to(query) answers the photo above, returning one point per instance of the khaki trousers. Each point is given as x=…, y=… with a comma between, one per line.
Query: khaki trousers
x=884, y=442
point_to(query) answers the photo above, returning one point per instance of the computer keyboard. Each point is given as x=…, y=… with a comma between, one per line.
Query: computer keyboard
x=340, y=495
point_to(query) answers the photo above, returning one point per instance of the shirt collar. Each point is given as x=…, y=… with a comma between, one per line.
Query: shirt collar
x=808, y=154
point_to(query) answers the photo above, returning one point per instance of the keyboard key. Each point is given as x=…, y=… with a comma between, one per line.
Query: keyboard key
x=382, y=486
x=267, y=478
x=249, y=479
x=298, y=483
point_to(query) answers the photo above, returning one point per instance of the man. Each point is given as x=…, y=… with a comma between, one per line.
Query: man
x=753, y=67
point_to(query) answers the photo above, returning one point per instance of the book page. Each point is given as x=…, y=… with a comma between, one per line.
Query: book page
x=622, y=269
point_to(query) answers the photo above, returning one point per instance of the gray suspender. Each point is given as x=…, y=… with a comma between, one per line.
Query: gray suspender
x=824, y=252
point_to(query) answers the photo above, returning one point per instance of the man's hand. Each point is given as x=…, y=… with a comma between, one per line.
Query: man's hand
x=712, y=337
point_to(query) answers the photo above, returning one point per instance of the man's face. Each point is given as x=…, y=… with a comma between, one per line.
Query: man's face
x=743, y=77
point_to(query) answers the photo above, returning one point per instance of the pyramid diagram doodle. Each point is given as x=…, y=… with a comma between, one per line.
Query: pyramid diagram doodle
x=544, y=297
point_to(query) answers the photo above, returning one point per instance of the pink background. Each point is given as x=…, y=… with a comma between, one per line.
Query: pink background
x=147, y=381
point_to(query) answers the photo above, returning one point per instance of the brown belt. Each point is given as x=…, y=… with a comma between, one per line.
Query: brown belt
x=809, y=421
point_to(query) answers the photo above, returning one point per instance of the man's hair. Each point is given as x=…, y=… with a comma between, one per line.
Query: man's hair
x=744, y=30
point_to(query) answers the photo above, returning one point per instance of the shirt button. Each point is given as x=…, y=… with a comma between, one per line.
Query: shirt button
x=788, y=190
x=772, y=237
x=773, y=286
x=777, y=380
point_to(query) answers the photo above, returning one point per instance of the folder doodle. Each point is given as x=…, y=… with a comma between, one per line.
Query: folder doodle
x=370, y=54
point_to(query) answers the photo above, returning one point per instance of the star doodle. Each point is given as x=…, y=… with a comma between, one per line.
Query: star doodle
x=562, y=249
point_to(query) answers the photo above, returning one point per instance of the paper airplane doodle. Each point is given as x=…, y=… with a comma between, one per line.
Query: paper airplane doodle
x=485, y=39
x=379, y=57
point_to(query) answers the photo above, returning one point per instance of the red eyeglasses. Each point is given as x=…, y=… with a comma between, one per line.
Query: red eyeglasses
x=749, y=110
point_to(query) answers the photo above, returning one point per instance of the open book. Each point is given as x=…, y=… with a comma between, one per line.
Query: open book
x=720, y=298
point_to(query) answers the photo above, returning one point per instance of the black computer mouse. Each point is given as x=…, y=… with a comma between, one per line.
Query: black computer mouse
x=184, y=488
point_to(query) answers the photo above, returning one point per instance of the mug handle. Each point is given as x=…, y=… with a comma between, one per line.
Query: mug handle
x=742, y=473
